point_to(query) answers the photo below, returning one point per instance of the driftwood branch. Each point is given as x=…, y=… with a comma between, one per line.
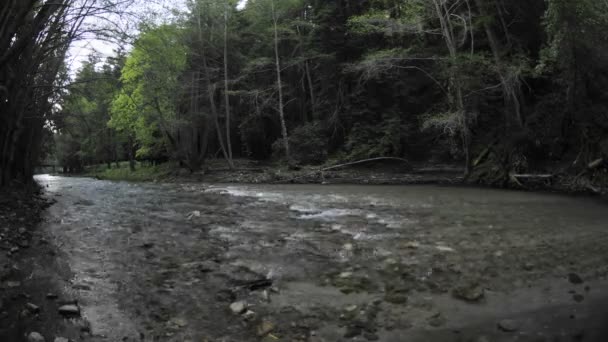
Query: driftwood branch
x=365, y=161
x=347, y=164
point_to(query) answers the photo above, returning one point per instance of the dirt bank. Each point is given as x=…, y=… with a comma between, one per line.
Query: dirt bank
x=32, y=273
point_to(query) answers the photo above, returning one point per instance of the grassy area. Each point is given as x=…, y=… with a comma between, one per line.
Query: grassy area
x=142, y=173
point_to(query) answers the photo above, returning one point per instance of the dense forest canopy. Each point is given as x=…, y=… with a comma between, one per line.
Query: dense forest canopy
x=499, y=86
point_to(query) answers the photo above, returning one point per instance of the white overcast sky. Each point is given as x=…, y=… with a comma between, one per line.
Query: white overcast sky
x=158, y=9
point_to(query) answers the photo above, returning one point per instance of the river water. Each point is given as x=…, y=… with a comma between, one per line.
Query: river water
x=163, y=262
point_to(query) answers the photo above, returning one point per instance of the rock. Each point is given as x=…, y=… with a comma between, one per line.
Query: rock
x=437, y=320
x=22, y=230
x=266, y=296
x=13, y=284
x=69, y=310
x=178, y=322
x=352, y=331
x=578, y=298
x=51, y=296
x=412, y=245
x=350, y=308
x=33, y=308
x=575, y=278
x=61, y=339
x=344, y=275
x=473, y=293
x=508, y=325
x=238, y=308
x=371, y=336
x=82, y=287
x=249, y=315
x=35, y=337
x=528, y=266
x=264, y=328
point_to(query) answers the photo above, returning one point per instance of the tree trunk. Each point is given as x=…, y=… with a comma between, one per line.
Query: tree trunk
x=226, y=95
x=279, y=83
x=443, y=15
x=510, y=88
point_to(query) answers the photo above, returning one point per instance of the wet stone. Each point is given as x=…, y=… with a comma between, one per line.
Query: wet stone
x=238, y=307
x=249, y=315
x=33, y=308
x=352, y=331
x=469, y=293
x=69, y=310
x=371, y=336
x=575, y=279
x=437, y=321
x=35, y=337
x=265, y=328
x=528, y=266
x=508, y=325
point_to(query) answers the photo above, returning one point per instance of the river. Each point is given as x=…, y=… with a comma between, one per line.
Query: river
x=163, y=262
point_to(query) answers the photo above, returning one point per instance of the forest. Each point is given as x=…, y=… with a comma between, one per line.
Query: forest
x=498, y=87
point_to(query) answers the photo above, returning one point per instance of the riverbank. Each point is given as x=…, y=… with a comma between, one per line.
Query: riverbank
x=374, y=173
x=30, y=272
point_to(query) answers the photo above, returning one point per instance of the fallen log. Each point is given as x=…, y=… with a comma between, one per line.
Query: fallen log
x=366, y=161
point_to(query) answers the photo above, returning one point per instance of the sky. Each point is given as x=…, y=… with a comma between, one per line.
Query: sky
x=81, y=49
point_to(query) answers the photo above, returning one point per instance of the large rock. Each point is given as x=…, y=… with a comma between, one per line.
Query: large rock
x=35, y=337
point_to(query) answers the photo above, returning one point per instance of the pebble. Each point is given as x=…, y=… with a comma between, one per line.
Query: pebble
x=508, y=325
x=437, y=321
x=350, y=308
x=264, y=328
x=249, y=315
x=371, y=336
x=178, y=322
x=346, y=275
x=352, y=331
x=575, y=278
x=69, y=310
x=33, y=308
x=238, y=307
x=469, y=293
x=578, y=298
x=35, y=337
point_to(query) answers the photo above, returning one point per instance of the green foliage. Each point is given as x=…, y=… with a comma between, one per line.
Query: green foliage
x=145, y=107
x=142, y=173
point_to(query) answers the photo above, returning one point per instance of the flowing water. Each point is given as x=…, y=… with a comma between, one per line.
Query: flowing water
x=163, y=262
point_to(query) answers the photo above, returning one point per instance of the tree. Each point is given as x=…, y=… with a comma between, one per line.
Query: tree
x=146, y=107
